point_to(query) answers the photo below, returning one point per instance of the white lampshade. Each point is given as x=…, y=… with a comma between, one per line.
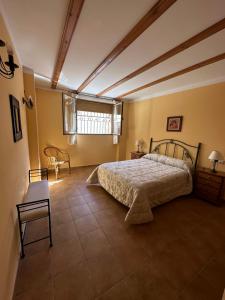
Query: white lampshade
x=215, y=155
x=139, y=142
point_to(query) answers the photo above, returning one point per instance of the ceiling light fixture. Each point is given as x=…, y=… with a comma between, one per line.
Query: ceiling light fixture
x=7, y=69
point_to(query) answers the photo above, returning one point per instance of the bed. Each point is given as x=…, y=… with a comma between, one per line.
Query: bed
x=156, y=178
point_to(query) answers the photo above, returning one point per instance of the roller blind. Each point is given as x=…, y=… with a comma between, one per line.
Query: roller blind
x=84, y=105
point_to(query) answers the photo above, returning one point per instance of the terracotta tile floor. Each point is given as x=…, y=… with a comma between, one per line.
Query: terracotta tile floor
x=180, y=255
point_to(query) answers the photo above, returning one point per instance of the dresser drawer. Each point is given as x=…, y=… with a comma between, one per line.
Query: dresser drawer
x=207, y=182
x=207, y=190
x=209, y=177
x=210, y=186
x=208, y=194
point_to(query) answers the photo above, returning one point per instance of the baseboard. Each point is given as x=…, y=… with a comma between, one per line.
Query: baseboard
x=52, y=171
x=15, y=273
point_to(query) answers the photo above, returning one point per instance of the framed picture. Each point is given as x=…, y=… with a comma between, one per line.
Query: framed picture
x=16, y=119
x=174, y=123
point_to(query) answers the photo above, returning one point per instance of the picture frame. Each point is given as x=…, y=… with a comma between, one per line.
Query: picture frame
x=174, y=123
x=16, y=118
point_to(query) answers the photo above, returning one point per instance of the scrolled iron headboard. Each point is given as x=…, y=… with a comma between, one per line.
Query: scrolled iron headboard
x=176, y=144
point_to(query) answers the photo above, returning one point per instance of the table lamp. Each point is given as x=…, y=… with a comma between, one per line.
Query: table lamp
x=214, y=157
x=139, y=143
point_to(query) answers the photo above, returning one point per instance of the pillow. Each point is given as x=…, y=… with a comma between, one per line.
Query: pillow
x=170, y=161
x=152, y=156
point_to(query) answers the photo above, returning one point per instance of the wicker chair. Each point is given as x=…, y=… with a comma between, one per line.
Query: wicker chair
x=56, y=158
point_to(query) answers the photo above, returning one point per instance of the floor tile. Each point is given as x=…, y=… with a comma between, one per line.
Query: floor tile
x=74, y=283
x=177, y=264
x=148, y=284
x=76, y=201
x=80, y=211
x=131, y=258
x=95, y=243
x=200, y=289
x=33, y=273
x=61, y=217
x=46, y=293
x=86, y=224
x=63, y=255
x=63, y=233
x=214, y=271
x=118, y=292
x=106, y=271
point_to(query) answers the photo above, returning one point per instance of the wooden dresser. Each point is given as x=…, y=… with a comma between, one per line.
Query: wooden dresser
x=135, y=154
x=210, y=186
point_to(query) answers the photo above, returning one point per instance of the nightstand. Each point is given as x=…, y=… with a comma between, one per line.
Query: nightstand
x=135, y=154
x=210, y=186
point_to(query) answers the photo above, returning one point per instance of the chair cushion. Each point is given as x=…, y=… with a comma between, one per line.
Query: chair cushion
x=36, y=191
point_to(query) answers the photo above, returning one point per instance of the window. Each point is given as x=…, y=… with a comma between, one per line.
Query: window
x=93, y=122
x=91, y=117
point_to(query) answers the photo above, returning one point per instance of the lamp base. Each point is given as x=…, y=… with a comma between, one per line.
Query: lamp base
x=213, y=170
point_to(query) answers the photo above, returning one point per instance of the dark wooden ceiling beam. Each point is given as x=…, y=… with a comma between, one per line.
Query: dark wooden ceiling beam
x=176, y=74
x=183, y=46
x=153, y=14
x=73, y=13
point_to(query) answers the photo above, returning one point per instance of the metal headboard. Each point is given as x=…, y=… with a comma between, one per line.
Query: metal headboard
x=176, y=145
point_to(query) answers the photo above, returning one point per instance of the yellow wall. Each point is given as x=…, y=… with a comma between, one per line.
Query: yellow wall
x=32, y=127
x=138, y=125
x=13, y=175
x=90, y=150
x=203, y=111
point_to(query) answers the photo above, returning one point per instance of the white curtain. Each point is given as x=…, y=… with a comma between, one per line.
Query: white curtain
x=117, y=120
x=70, y=118
x=72, y=139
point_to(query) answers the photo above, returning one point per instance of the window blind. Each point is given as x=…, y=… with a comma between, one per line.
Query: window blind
x=84, y=105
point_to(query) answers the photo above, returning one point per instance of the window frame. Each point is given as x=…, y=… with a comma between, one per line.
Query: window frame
x=92, y=134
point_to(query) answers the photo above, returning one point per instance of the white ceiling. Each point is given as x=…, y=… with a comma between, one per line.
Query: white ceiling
x=37, y=27
x=101, y=26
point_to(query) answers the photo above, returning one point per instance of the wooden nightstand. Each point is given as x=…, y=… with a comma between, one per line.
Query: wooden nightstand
x=135, y=154
x=210, y=186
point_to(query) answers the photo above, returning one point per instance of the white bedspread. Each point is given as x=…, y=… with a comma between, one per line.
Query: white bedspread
x=142, y=184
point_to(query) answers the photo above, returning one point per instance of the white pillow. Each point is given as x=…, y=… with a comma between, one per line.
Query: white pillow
x=152, y=156
x=170, y=161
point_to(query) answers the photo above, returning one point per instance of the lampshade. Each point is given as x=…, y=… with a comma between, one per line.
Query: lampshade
x=139, y=142
x=215, y=155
